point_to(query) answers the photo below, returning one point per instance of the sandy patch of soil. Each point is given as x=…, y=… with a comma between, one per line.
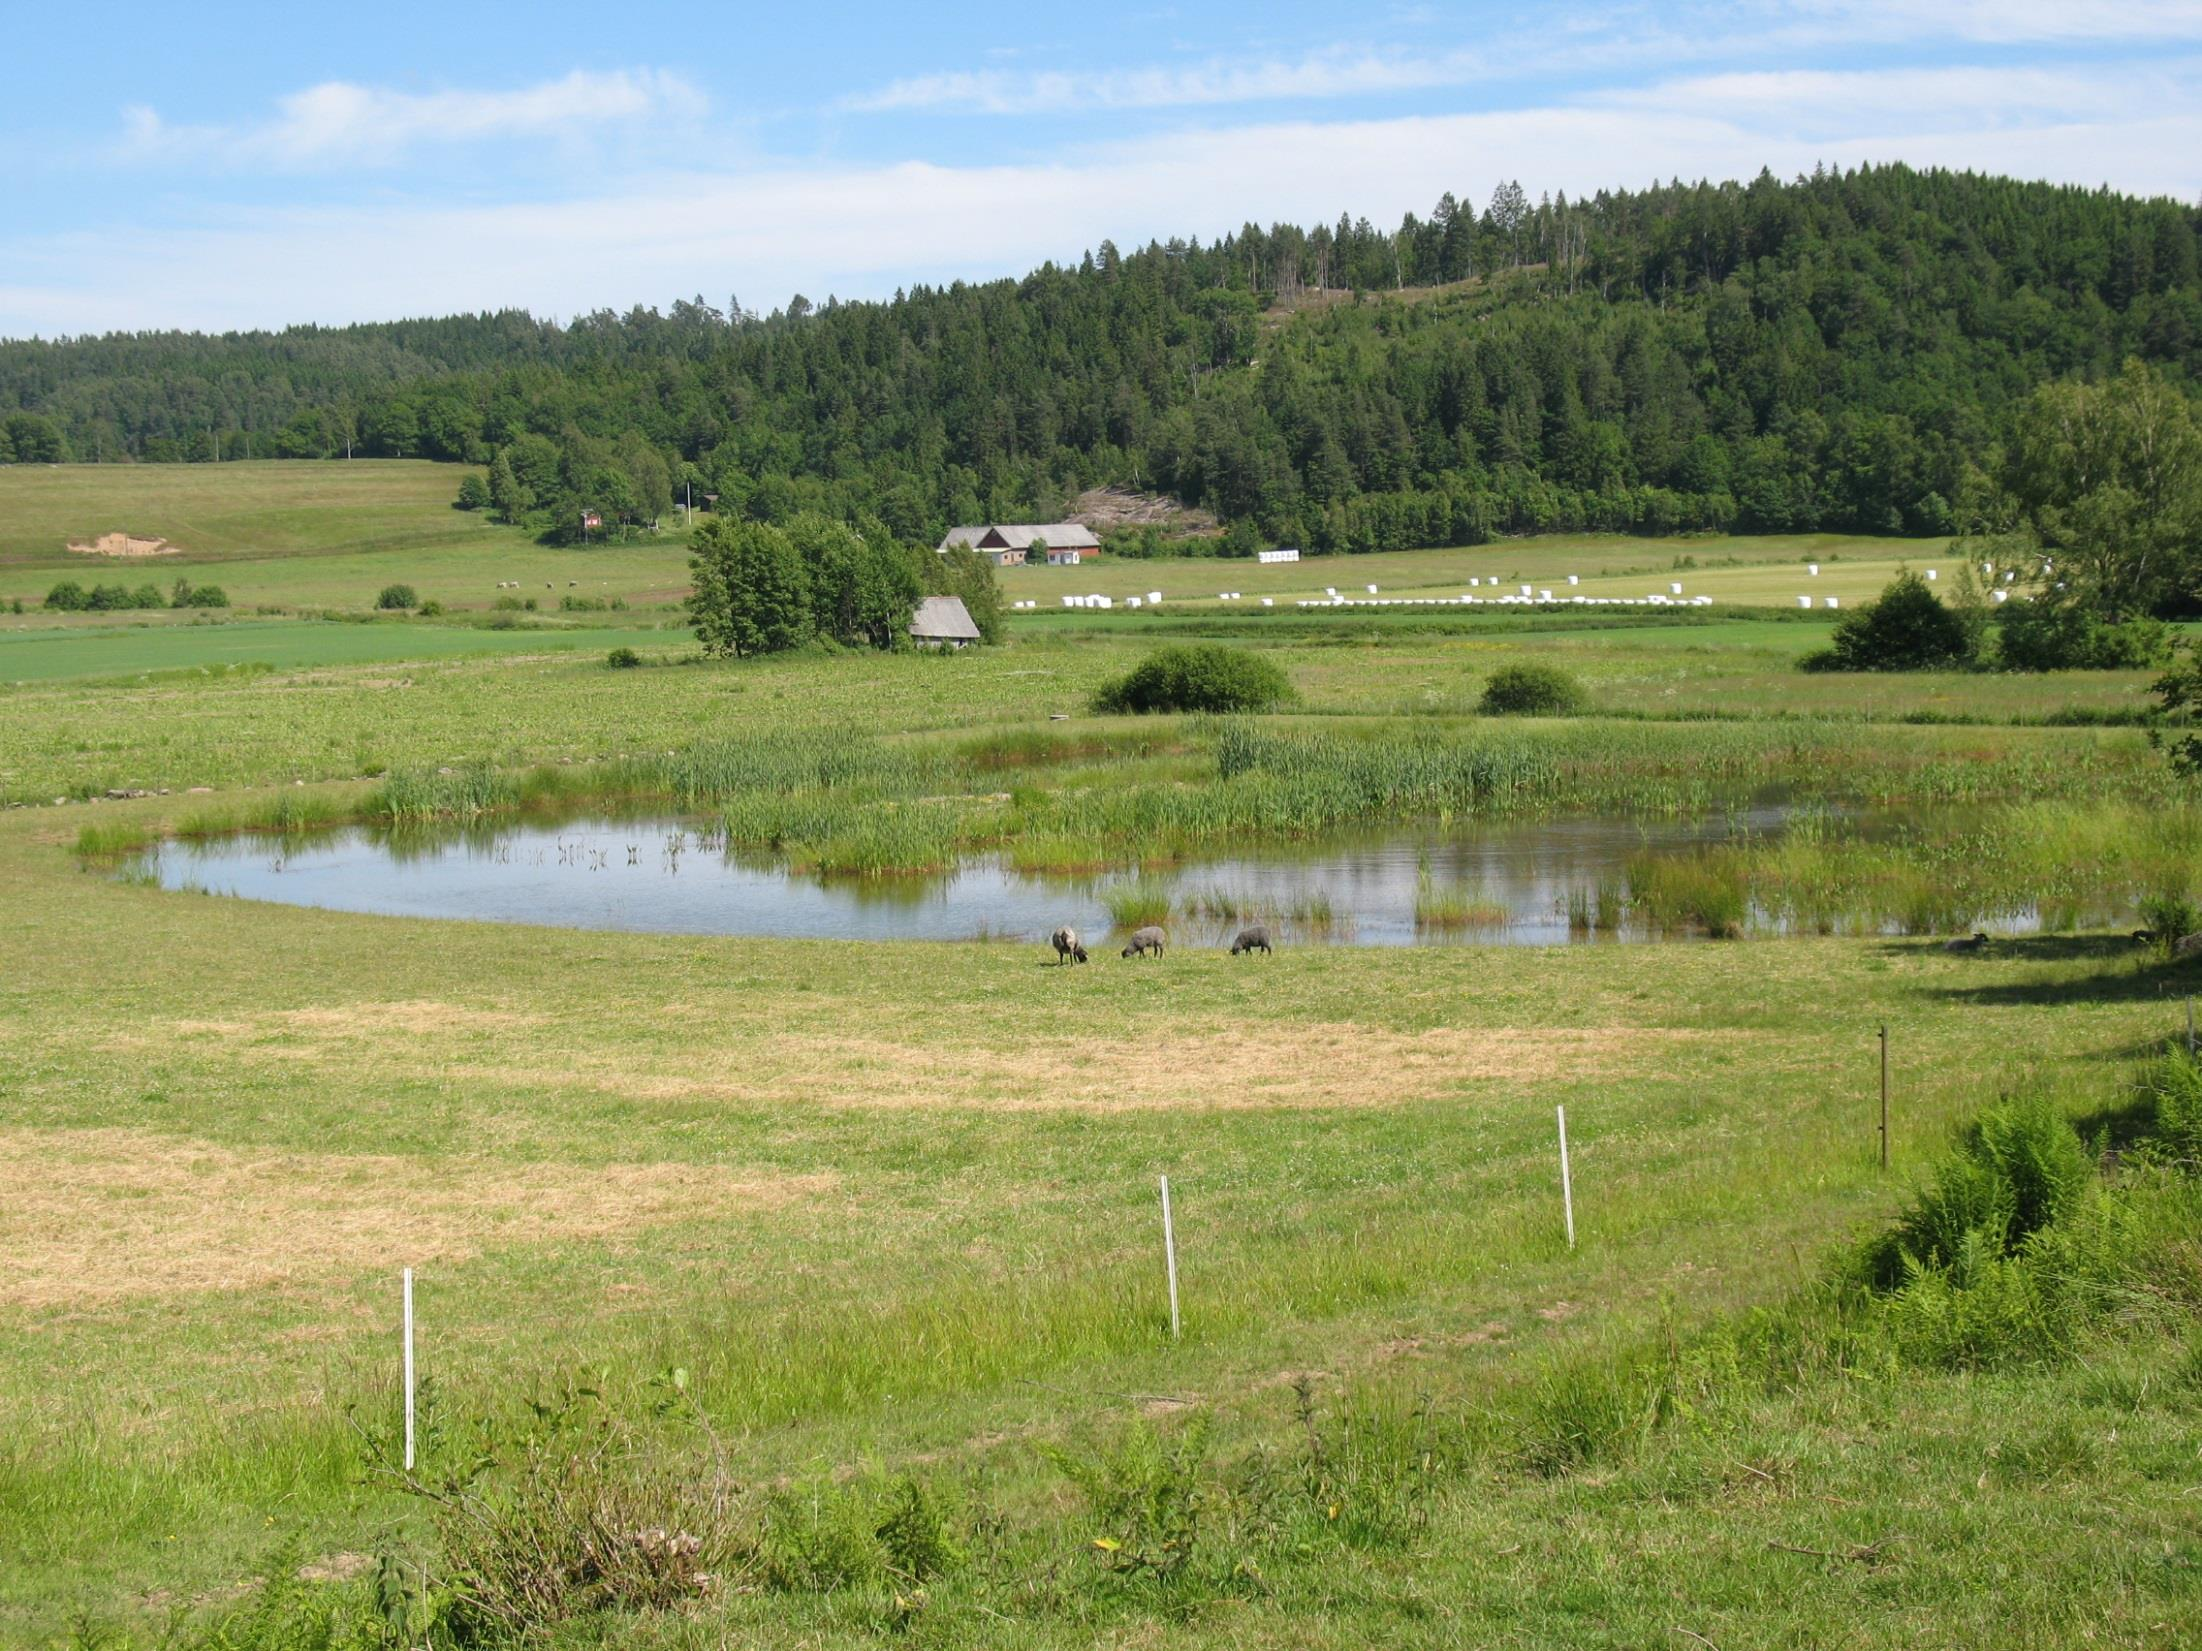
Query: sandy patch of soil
x=124, y=546
x=96, y=1215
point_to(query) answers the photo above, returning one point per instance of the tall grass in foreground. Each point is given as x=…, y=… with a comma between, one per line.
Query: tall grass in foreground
x=2024, y=1253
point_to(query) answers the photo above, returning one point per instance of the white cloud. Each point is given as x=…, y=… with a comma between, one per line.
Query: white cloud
x=1338, y=72
x=2009, y=22
x=338, y=123
x=864, y=230
x=1840, y=106
x=1562, y=41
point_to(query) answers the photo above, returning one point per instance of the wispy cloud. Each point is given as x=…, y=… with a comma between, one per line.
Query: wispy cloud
x=339, y=123
x=1997, y=22
x=1337, y=72
x=1844, y=107
x=1625, y=37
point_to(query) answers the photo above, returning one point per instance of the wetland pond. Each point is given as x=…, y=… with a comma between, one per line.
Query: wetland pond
x=1518, y=883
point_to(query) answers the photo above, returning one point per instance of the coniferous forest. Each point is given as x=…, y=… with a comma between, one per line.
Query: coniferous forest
x=1846, y=351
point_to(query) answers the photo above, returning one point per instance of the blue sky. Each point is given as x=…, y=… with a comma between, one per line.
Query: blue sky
x=225, y=166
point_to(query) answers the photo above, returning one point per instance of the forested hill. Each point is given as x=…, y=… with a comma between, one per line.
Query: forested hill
x=1837, y=352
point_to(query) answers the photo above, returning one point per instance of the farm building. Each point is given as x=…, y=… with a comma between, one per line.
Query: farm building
x=1009, y=545
x=942, y=622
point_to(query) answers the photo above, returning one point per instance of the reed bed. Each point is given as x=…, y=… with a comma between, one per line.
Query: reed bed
x=1446, y=907
x=2076, y=840
x=2056, y=866
x=112, y=842
x=1137, y=903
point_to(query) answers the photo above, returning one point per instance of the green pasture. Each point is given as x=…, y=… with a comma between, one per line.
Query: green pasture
x=874, y=1224
x=193, y=643
x=543, y=704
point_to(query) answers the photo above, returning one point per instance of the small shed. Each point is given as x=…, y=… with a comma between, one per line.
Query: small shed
x=943, y=622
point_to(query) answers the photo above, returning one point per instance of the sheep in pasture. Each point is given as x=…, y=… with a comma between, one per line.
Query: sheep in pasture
x=1255, y=939
x=1145, y=942
x=2188, y=945
x=1067, y=946
x=1971, y=943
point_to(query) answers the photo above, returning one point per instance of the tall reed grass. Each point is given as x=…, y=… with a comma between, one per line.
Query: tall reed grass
x=1446, y=907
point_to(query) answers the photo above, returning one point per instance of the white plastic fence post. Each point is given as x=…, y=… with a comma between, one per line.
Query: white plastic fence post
x=408, y=1370
x=1169, y=1255
x=1567, y=1186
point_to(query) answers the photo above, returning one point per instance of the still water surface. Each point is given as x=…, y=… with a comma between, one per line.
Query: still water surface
x=666, y=875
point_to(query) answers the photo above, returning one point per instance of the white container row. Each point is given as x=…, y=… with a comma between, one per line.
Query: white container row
x=1547, y=599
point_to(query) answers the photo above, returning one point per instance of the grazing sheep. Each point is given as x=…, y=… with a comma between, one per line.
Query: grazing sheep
x=2188, y=945
x=1145, y=943
x=1067, y=947
x=1255, y=939
x=1972, y=943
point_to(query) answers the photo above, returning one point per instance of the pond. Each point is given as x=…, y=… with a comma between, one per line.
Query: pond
x=1498, y=883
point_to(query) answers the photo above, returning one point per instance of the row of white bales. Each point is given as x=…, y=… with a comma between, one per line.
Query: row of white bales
x=1527, y=595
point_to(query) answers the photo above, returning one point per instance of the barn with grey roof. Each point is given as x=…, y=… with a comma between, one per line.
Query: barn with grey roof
x=1012, y=544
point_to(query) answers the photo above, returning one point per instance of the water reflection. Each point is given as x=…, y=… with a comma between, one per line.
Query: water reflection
x=1513, y=883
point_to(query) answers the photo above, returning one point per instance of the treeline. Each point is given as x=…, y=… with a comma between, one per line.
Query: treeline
x=1842, y=352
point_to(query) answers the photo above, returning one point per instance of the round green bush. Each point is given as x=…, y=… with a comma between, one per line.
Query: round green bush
x=1906, y=628
x=623, y=659
x=1532, y=691
x=1202, y=677
x=396, y=598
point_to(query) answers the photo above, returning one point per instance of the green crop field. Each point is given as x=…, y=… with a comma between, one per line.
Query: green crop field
x=193, y=643
x=846, y=1260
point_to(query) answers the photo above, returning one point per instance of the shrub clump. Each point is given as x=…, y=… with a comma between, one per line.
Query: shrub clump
x=188, y=595
x=623, y=659
x=1533, y=691
x=2049, y=635
x=70, y=597
x=397, y=598
x=1905, y=628
x=2021, y=1167
x=1204, y=677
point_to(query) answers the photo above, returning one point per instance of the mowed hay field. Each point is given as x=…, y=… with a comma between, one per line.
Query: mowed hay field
x=330, y=534
x=897, y=1204
x=1754, y=571
x=303, y=534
